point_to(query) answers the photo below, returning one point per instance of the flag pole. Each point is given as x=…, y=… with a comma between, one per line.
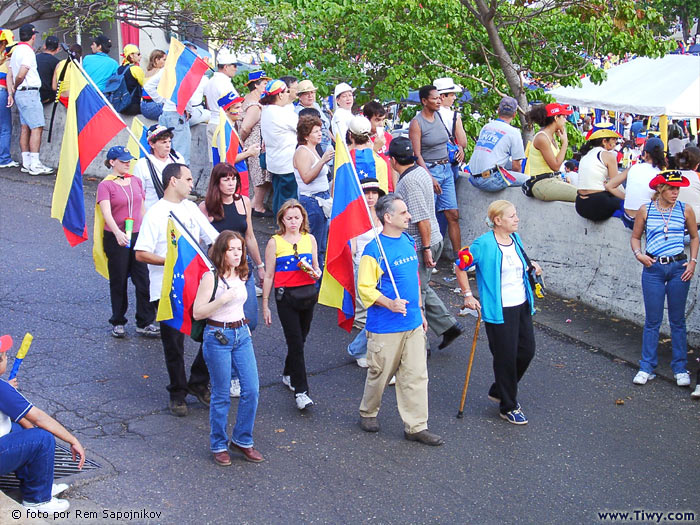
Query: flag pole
x=108, y=103
x=371, y=220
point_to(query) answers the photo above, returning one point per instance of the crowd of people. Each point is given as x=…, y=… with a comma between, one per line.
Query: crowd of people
x=287, y=146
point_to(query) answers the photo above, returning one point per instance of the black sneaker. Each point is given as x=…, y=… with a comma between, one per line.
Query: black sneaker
x=118, y=331
x=450, y=335
x=203, y=395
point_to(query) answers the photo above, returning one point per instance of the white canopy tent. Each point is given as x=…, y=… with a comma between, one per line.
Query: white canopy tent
x=645, y=86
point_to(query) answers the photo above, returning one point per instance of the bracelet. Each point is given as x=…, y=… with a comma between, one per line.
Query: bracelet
x=637, y=252
x=694, y=259
x=261, y=265
x=467, y=294
x=425, y=248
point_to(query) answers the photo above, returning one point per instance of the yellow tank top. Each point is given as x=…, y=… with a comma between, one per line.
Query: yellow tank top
x=536, y=161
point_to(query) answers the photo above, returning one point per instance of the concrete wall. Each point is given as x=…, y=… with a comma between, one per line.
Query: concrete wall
x=50, y=152
x=589, y=262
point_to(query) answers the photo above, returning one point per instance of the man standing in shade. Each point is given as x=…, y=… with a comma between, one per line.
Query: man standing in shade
x=46, y=62
x=395, y=326
x=414, y=187
x=151, y=247
x=429, y=137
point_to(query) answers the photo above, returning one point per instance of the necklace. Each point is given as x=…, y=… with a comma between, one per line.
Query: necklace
x=664, y=218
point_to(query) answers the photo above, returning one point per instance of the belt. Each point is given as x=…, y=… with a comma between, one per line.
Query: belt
x=234, y=324
x=486, y=174
x=27, y=89
x=668, y=259
x=543, y=176
x=438, y=162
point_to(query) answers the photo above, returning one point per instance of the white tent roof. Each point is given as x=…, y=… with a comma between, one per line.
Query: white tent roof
x=645, y=86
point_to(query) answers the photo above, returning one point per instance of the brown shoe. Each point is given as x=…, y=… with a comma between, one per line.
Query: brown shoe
x=249, y=453
x=222, y=458
x=178, y=408
x=203, y=395
x=426, y=437
x=369, y=424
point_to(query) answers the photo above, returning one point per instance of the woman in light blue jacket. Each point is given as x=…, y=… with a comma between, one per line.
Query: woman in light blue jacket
x=507, y=303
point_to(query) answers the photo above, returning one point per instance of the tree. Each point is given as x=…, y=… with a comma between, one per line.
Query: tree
x=683, y=10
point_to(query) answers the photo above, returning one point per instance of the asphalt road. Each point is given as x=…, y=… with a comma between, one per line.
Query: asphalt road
x=594, y=443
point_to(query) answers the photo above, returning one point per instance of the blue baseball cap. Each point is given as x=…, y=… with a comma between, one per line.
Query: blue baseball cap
x=119, y=153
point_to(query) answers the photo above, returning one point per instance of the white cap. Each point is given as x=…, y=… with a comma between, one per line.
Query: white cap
x=225, y=57
x=360, y=125
x=342, y=88
x=446, y=85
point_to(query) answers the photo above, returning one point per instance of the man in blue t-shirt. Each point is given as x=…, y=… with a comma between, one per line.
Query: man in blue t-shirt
x=27, y=445
x=395, y=324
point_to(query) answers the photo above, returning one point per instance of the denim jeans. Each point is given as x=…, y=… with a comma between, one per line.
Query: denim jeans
x=659, y=282
x=5, y=129
x=250, y=307
x=151, y=110
x=222, y=360
x=29, y=454
x=318, y=223
x=358, y=347
x=496, y=182
x=447, y=200
x=182, y=136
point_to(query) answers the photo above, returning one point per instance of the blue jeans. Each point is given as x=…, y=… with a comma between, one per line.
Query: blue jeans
x=659, y=282
x=496, y=182
x=182, y=137
x=29, y=454
x=447, y=200
x=151, y=110
x=222, y=360
x=358, y=347
x=250, y=307
x=318, y=223
x=5, y=128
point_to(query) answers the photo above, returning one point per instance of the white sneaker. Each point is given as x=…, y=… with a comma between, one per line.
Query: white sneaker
x=11, y=164
x=235, y=388
x=642, y=377
x=57, y=488
x=53, y=505
x=32, y=170
x=392, y=381
x=695, y=394
x=435, y=270
x=287, y=381
x=43, y=169
x=362, y=362
x=303, y=401
x=682, y=379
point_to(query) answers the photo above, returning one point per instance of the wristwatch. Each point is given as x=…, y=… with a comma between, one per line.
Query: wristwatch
x=467, y=294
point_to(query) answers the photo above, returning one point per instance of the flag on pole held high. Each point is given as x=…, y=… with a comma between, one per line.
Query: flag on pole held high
x=349, y=218
x=140, y=131
x=90, y=125
x=182, y=73
x=370, y=165
x=226, y=145
x=185, y=263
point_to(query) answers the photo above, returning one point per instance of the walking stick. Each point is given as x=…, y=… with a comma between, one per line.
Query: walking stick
x=460, y=414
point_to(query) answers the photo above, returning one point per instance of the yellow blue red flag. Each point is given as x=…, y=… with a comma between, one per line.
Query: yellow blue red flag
x=349, y=218
x=139, y=130
x=90, y=125
x=182, y=73
x=226, y=145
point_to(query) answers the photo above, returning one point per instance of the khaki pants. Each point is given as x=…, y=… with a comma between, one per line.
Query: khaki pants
x=554, y=190
x=402, y=354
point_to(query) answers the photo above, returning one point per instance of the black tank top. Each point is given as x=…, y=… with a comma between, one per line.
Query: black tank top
x=232, y=220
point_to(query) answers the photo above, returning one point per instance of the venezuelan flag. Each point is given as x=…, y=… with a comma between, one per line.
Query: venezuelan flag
x=369, y=164
x=141, y=131
x=184, y=266
x=349, y=219
x=182, y=73
x=90, y=125
x=226, y=145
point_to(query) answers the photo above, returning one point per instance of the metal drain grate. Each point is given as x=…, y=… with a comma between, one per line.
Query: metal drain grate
x=63, y=466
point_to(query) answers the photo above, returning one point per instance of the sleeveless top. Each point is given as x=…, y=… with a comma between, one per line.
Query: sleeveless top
x=320, y=183
x=592, y=173
x=539, y=166
x=232, y=311
x=287, y=271
x=433, y=138
x=234, y=221
x=665, y=238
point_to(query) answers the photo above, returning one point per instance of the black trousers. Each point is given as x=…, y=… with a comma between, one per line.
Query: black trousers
x=121, y=264
x=512, y=345
x=598, y=206
x=174, y=349
x=296, y=325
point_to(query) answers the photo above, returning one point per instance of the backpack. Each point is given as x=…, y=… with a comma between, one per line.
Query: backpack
x=117, y=93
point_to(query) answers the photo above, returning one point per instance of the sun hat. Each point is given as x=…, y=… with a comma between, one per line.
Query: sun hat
x=604, y=134
x=360, y=125
x=446, y=85
x=119, y=153
x=342, y=88
x=229, y=99
x=673, y=178
x=555, y=109
x=305, y=86
x=7, y=36
x=274, y=87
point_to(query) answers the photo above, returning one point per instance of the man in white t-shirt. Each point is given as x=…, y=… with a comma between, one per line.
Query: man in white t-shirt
x=27, y=83
x=499, y=145
x=448, y=92
x=219, y=85
x=162, y=154
x=344, y=97
x=151, y=247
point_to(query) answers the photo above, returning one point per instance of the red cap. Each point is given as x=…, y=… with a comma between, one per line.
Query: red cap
x=670, y=178
x=558, y=109
x=5, y=343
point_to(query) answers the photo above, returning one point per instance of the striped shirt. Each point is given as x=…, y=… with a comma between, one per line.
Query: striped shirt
x=661, y=243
